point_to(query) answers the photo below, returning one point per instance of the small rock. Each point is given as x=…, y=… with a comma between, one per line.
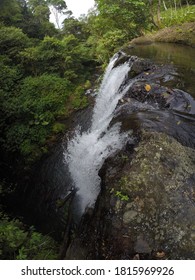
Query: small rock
x=142, y=246
x=160, y=255
x=129, y=216
x=136, y=257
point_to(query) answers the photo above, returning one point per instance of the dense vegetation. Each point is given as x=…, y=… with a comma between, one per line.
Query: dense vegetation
x=44, y=73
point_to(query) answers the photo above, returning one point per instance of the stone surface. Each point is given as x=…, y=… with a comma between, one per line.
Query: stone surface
x=146, y=207
x=159, y=214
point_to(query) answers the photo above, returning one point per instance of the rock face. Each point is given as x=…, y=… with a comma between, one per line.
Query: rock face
x=146, y=207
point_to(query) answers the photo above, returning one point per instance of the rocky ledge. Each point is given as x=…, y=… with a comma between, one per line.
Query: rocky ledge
x=146, y=206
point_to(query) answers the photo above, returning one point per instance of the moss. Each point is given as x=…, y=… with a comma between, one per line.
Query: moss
x=159, y=158
x=158, y=218
x=58, y=127
x=160, y=182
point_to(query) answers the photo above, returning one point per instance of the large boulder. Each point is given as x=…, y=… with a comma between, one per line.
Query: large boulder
x=146, y=208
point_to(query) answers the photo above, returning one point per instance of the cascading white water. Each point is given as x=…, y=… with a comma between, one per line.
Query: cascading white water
x=86, y=152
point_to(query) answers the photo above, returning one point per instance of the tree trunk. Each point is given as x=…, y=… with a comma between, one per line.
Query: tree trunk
x=175, y=2
x=164, y=5
x=158, y=13
x=152, y=13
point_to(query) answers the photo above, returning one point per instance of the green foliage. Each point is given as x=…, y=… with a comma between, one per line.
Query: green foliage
x=129, y=16
x=124, y=181
x=87, y=84
x=12, y=41
x=58, y=127
x=39, y=84
x=10, y=11
x=171, y=16
x=76, y=27
x=122, y=196
x=8, y=79
x=19, y=242
x=59, y=5
x=44, y=73
x=33, y=110
x=33, y=20
x=110, y=43
x=41, y=96
x=170, y=12
x=42, y=80
x=64, y=57
x=115, y=23
x=8, y=75
x=79, y=100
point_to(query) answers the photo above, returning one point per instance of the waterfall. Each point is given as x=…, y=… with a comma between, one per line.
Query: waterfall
x=86, y=152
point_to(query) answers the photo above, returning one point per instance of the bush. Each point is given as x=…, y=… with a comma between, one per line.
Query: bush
x=32, y=112
x=109, y=44
x=12, y=41
x=58, y=127
x=79, y=100
x=20, y=243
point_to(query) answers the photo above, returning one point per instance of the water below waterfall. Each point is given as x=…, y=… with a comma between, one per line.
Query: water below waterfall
x=87, y=151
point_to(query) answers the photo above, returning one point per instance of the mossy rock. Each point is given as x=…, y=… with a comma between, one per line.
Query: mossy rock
x=157, y=221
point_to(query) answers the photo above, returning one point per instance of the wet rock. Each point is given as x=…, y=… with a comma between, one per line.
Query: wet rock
x=146, y=206
x=150, y=87
x=157, y=221
x=151, y=103
x=140, y=66
x=153, y=84
x=122, y=58
x=129, y=216
x=142, y=246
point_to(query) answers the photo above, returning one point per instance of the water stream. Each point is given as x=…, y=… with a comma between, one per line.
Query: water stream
x=87, y=151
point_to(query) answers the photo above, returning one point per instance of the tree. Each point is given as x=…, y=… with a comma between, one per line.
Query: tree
x=12, y=41
x=129, y=16
x=113, y=23
x=76, y=27
x=31, y=110
x=40, y=26
x=58, y=8
x=10, y=12
x=109, y=43
x=158, y=12
x=43, y=8
x=31, y=16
